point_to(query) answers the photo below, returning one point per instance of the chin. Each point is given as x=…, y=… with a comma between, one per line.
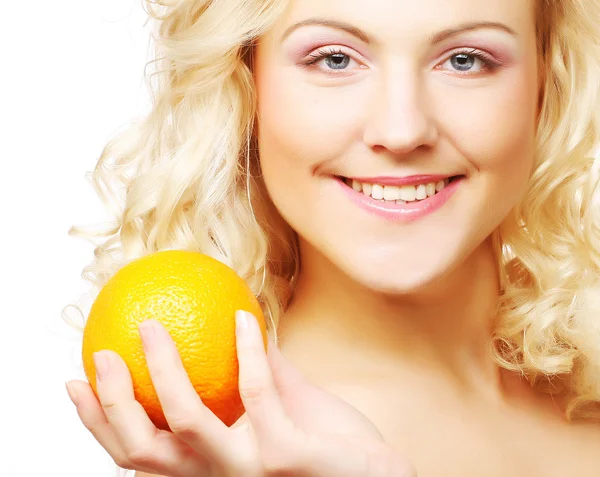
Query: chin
x=403, y=282
x=417, y=274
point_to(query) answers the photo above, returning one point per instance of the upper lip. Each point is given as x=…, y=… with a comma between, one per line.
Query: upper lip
x=401, y=181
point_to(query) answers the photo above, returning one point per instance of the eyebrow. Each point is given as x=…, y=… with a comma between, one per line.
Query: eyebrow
x=369, y=39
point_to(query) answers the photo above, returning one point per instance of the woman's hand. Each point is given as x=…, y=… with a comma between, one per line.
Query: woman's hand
x=290, y=427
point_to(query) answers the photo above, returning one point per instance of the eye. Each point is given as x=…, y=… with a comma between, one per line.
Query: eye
x=333, y=59
x=469, y=62
x=463, y=62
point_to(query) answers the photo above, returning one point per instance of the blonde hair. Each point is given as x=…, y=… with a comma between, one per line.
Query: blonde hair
x=549, y=313
x=186, y=176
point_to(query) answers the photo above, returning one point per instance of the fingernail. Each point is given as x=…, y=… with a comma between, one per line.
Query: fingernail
x=72, y=392
x=147, y=333
x=241, y=319
x=101, y=363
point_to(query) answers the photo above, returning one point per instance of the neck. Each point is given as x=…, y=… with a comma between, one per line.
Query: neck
x=444, y=329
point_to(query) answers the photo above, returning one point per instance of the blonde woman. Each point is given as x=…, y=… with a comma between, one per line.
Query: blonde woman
x=410, y=190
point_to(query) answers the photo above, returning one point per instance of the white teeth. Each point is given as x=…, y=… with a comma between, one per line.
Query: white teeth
x=377, y=192
x=391, y=193
x=408, y=193
x=430, y=189
x=398, y=194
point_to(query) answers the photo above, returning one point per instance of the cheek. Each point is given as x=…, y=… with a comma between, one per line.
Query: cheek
x=287, y=132
x=494, y=129
x=303, y=131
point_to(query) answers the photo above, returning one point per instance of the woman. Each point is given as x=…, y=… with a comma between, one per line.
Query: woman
x=424, y=230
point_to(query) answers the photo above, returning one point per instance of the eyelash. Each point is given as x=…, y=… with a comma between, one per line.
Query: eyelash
x=488, y=62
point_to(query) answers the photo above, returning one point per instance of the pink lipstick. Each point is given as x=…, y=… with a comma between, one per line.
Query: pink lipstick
x=407, y=211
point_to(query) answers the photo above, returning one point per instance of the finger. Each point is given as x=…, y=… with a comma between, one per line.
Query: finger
x=286, y=376
x=185, y=412
x=92, y=416
x=94, y=419
x=242, y=422
x=257, y=387
x=143, y=446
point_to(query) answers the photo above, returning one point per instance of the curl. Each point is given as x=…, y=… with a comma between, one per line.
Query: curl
x=186, y=176
x=549, y=247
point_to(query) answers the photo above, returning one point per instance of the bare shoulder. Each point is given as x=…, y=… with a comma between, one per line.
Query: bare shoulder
x=586, y=446
x=143, y=474
x=588, y=431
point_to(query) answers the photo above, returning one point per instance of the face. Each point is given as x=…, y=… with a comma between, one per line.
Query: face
x=394, y=135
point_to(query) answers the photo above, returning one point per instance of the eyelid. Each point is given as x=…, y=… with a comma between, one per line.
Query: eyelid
x=468, y=50
x=493, y=53
x=489, y=63
x=328, y=48
x=315, y=55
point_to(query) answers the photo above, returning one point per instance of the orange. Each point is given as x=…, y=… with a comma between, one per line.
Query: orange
x=195, y=297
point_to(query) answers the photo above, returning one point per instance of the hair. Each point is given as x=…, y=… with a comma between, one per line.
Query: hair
x=186, y=176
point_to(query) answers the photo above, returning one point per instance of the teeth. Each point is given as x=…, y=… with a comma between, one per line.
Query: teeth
x=377, y=192
x=430, y=189
x=399, y=195
x=408, y=193
x=391, y=193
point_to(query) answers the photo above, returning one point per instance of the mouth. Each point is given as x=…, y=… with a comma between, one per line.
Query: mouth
x=400, y=190
x=405, y=198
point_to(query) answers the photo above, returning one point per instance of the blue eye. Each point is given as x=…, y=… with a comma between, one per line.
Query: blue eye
x=338, y=61
x=335, y=59
x=469, y=62
x=463, y=62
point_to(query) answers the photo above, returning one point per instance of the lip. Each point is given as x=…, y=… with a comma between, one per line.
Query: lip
x=400, y=181
x=402, y=212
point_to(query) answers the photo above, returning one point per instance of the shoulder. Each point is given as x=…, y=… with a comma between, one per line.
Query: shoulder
x=584, y=443
x=143, y=474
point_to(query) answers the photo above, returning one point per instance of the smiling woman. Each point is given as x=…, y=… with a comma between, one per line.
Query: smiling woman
x=410, y=191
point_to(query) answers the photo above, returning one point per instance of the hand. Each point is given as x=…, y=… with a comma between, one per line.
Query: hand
x=290, y=427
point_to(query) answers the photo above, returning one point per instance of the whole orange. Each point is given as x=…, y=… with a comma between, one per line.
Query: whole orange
x=195, y=297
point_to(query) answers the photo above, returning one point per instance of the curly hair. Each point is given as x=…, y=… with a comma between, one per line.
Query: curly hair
x=186, y=176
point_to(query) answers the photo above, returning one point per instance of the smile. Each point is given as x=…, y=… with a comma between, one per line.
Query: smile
x=401, y=199
x=398, y=194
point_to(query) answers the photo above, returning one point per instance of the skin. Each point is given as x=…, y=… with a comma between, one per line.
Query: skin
x=392, y=112
x=398, y=314
x=397, y=375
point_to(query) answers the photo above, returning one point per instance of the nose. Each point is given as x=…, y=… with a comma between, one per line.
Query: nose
x=399, y=119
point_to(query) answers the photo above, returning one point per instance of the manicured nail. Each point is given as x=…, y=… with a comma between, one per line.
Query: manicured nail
x=147, y=333
x=72, y=392
x=241, y=319
x=101, y=363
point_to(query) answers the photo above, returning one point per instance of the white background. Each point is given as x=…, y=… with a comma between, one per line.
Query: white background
x=71, y=74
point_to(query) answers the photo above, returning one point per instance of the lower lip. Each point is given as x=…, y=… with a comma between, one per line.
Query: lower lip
x=401, y=212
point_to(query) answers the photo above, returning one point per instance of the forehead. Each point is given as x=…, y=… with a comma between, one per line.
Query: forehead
x=402, y=20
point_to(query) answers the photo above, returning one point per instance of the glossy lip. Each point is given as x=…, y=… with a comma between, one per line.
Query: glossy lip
x=400, y=181
x=401, y=212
